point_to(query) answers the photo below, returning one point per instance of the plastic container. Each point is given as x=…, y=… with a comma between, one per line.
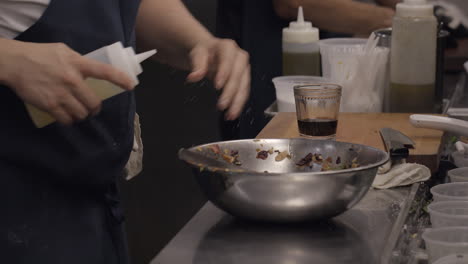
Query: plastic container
x=116, y=55
x=445, y=214
x=413, y=58
x=460, y=159
x=441, y=242
x=338, y=48
x=457, y=191
x=360, y=70
x=301, y=54
x=453, y=259
x=284, y=87
x=458, y=175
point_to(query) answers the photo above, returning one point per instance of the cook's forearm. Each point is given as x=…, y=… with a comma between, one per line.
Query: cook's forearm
x=168, y=26
x=7, y=47
x=344, y=16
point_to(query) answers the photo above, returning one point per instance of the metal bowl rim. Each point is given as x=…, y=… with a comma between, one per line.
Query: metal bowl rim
x=335, y=172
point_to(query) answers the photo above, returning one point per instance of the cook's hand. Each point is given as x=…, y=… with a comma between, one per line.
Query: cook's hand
x=51, y=78
x=229, y=67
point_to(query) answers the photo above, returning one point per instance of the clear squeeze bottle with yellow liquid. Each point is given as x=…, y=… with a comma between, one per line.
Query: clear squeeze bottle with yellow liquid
x=116, y=55
x=301, y=54
x=413, y=58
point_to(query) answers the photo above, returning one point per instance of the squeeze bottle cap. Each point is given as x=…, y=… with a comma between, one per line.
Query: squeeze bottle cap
x=145, y=55
x=300, y=31
x=136, y=59
x=414, y=8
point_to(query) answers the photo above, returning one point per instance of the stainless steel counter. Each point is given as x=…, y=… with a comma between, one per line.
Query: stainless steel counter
x=364, y=234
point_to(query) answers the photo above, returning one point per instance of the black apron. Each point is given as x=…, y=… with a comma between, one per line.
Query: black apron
x=58, y=197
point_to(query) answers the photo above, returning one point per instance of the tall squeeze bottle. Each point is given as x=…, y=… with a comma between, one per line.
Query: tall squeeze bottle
x=413, y=58
x=301, y=55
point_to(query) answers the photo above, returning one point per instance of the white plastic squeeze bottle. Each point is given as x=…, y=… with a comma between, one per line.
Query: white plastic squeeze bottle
x=116, y=55
x=413, y=58
x=301, y=55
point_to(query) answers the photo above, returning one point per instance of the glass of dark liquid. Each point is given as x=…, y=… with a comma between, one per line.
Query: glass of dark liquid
x=317, y=108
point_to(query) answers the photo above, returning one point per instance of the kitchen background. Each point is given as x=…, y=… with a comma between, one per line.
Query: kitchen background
x=174, y=114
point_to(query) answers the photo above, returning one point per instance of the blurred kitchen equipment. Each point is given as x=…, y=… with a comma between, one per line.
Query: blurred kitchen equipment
x=453, y=259
x=457, y=106
x=284, y=87
x=360, y=67
x=442, y=37
x=300, y=48
x=397, y=172
x=452, y=125
x=396, y=143
x=456, y=191
x=458, y=175
x=445, y=241
x=413, y=58
x=384, y=36
x=456, y=126
x=460, y=159
x=317, y=108
x=461, y=147
x=283, y=191
x=450, y=213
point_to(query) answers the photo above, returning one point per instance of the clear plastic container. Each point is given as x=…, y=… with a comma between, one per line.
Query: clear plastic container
x=284, y=87
x=458, y=175
x=456, y=191
x=460, y=159
x=362, y=74
x=453, y=259
x=446, y=214
x=441, y=242
x=338, y=48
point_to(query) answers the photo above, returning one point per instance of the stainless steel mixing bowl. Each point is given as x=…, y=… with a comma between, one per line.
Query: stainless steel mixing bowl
x=281, y=191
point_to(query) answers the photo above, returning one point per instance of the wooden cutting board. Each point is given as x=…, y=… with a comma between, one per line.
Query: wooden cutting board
x=363, y=128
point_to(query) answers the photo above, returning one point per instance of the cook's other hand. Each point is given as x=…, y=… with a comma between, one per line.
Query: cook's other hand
x=183, y=42
x=229, y=68
x=51, y=77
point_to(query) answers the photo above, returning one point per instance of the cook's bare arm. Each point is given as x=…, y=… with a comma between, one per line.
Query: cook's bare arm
x=51, y=77
x=183, y=42
x=344, y=16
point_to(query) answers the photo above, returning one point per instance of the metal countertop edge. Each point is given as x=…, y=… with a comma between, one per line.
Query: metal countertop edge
x=400, y=221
